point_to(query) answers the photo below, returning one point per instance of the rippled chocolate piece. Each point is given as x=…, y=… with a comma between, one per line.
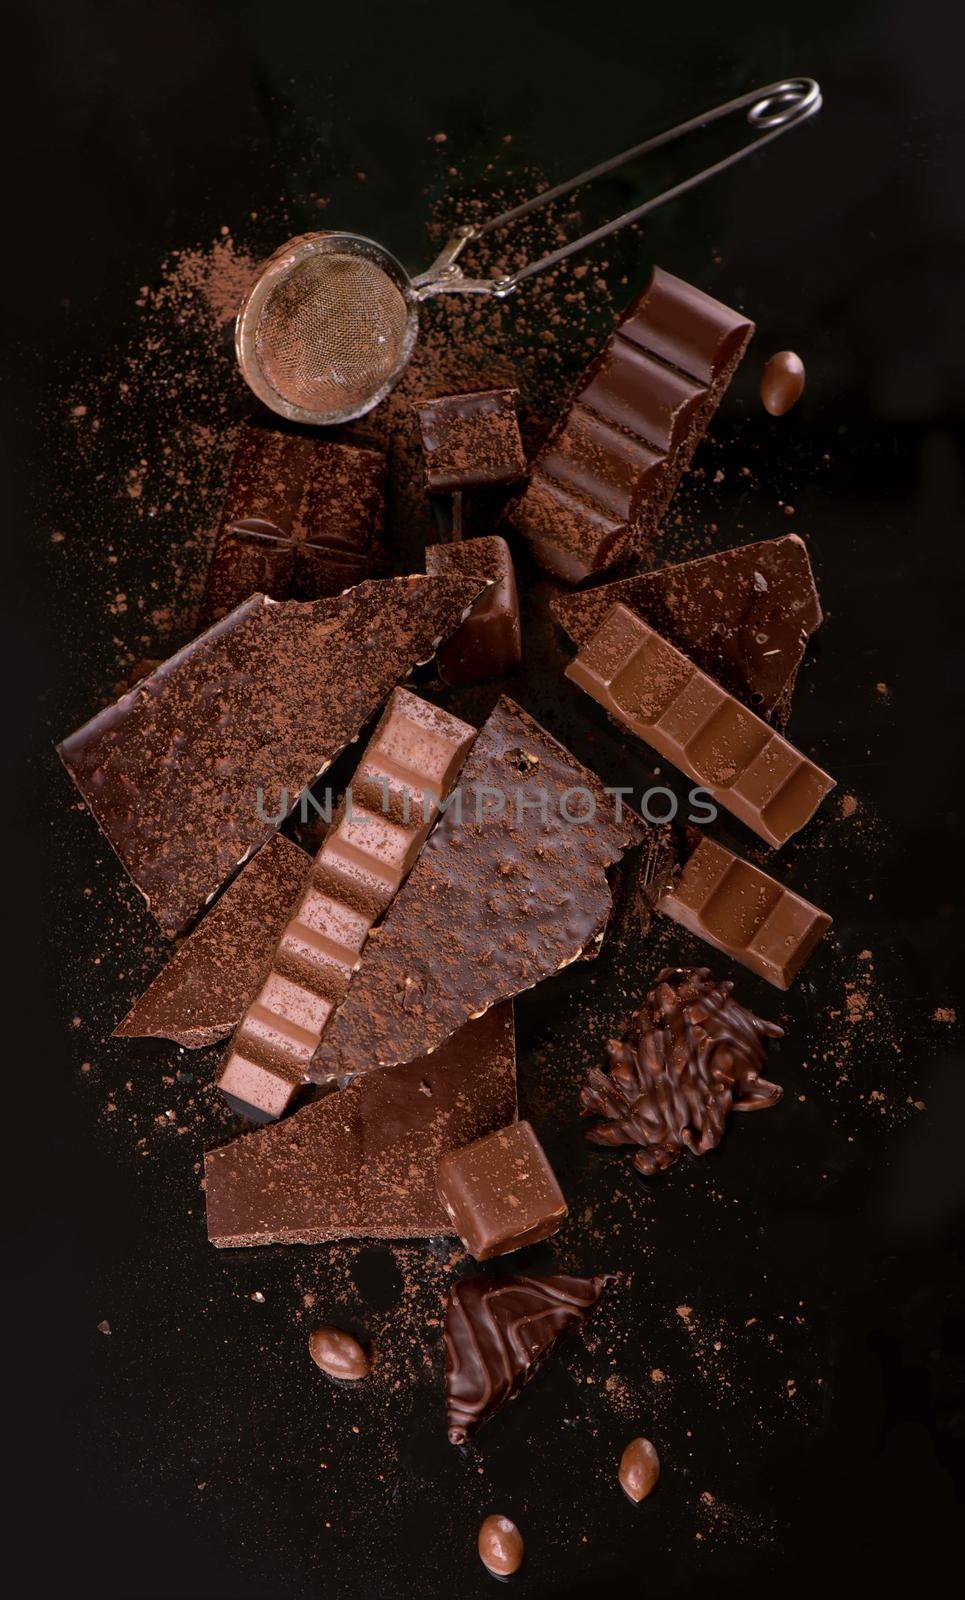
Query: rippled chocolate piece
x=600, y=485
x=501, y=1192
x=744, y=616
x=471, y=441
x=489, y=643
x=498, y=1331
x=259, y=705
x=692, y=1054
x=510, y=887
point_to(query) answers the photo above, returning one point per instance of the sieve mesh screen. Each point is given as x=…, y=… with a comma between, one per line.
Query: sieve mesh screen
x=331, y=332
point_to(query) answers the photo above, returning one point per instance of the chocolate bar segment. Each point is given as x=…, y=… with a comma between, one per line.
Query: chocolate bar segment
x=739, y=909
x=656, y=692
x=362, y=1163
x=407, y=769
x=600, y=485
x=510, y=887
x=489, y=643
x=256, y=707
x=743, y=616
x=471, y=441
x=501, y=1192
x=199, y=996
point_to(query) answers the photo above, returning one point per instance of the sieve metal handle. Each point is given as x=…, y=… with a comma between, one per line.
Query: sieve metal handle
x=771, y=111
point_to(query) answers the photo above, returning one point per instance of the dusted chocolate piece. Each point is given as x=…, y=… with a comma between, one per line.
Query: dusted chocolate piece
x=782, y=382
x=501, y=1192
x=500, y=1546
x=408, y=768
x=471, y=441
x=656, y=692
x=488, y=644
x=600, y=485
x=302, y=520
x=693, y=1054
x=503, y=895
x=743, y=616
x=737, y=908
x=198, y=997
x=338, y=1355
x=362, y=1163
x=498, y=1331
x=639, y=1470
x=261, y=703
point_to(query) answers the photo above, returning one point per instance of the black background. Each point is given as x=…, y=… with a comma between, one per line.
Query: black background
x=142, y=129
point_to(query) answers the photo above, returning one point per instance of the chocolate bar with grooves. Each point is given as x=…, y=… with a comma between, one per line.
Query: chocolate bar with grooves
x=406, y=771
x=657, y=692
x=739, y=909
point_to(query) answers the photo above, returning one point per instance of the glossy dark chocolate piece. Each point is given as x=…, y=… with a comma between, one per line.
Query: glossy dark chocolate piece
x=261, y=702
x=471, y=441
x=600, y=485
x=501, y=896
x=362, y=1163
x=199, y=996
x=742, y=911
x=408, y=768
x=692, y=1055
x=743, y=616
x=653, y=689
x=501, y=1192
x=782, y=382
x=489, y=643
x=498, y=1331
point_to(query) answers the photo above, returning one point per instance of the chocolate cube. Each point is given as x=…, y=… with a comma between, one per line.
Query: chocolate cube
x=501, y=1192
x=471, y=441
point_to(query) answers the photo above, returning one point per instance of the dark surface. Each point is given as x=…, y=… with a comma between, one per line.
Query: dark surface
x=830, y=1430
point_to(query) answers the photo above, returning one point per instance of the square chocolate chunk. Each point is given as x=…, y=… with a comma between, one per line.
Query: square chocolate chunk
x=501, y=1192
x=471, y=440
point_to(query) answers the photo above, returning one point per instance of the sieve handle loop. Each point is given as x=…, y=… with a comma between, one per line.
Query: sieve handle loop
x=771, y=111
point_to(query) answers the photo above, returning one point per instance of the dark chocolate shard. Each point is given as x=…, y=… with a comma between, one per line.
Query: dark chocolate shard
x=498, y=1331
x=692, y=1054
x=744, y=616
x=507, y=890
x=196, y=766
x=198, y=997
x=362, y=1163
x=600, y=485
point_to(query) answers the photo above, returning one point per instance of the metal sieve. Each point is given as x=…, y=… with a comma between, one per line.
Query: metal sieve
x=327, y=328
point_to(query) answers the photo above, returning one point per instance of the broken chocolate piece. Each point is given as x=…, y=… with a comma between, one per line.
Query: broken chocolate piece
x=408, y=768
x=656, y=691
x=692, y=1055
x=498, y=1331
x=488, y=644
x=600, y=485
x=240, y=722
x=198, y=997
x=501, y=1192
x=743, y=616
x=742, y=911
x=510, y=887
x=471, y=441
x=362, y=1163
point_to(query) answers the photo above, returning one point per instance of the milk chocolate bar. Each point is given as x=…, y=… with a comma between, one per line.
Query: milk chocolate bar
x=488, y=644
x=407, y=769
x=743, y=616
x=471, y=441
x=737, y=908
x=501, y=1192
x=510, y=887
x=600, y=485
x=362, y=1163
x=656, y=692
x=258, y=706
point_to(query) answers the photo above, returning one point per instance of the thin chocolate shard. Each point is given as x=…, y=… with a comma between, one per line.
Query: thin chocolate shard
x=198, y=997
x=406, y=771
x=742, y=911
x=254, y=709
x=489, y=643
x=600, y=485
x=362, y=1163
x=502, y=895
x=744, y=616
x=498, y=1331
x=692, y=1055
x=653, y=689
